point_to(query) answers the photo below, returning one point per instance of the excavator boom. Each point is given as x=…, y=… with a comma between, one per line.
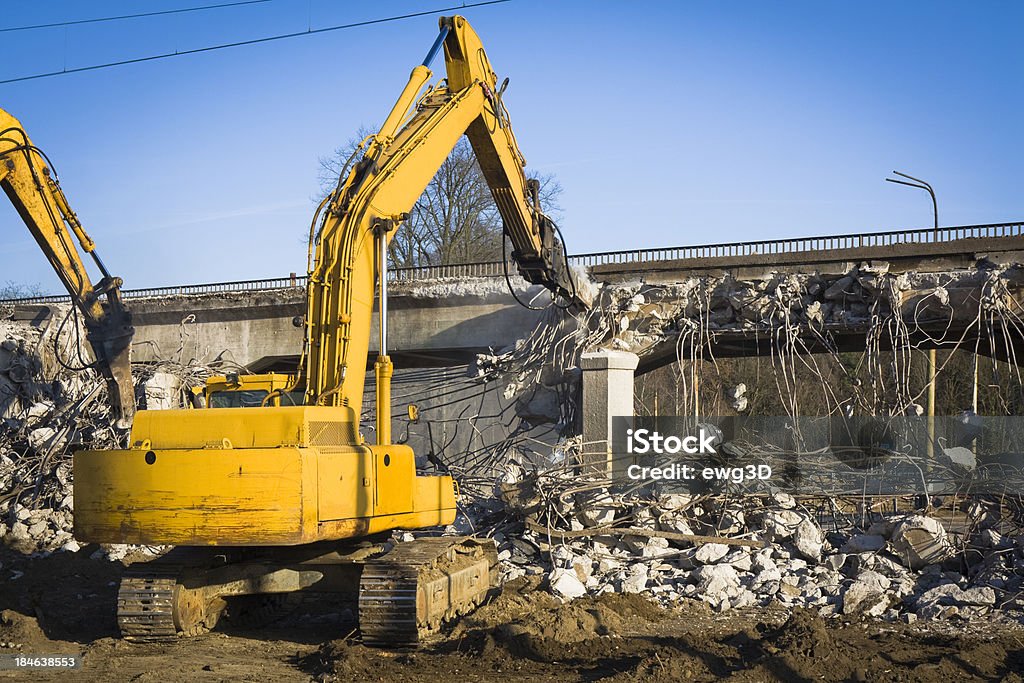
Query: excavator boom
x=32, y=186
x=368, y=206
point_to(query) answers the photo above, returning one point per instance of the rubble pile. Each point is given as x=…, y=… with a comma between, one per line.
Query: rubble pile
x=52, y=404
x=755, y=551
x=45, y=408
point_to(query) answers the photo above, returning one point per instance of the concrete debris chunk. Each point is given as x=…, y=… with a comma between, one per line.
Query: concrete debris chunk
x=716, y=580
x=161, y=391
x=952, y=594
x=710, y=553
x=19, y=532
x=919, y=541
x=962, y=457
x=864, y=543
x=808, y=540
x=636, y=579
x=41, y=438
x=840, y=288
x=865, y=597
x=873, y=579
x=37, y=529
x=784, y=500
x=737, y=397
x=782, y=524
x=598, y=510
x=566, y=584
x=675, y=523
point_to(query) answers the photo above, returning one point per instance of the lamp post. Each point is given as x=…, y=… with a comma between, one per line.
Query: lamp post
x=921, y=185
x=932, y=356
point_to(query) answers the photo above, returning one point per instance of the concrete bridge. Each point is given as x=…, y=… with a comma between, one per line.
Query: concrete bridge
x=444, y=315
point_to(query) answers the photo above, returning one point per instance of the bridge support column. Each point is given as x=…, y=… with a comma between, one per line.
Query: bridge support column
x=607, y=393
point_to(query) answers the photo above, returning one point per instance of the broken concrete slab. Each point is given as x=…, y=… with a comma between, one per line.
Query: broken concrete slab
x=710, y=553
x=566, y=584
x=864, y=543
x=808, y=540
x=920, y=541
x=865, y=597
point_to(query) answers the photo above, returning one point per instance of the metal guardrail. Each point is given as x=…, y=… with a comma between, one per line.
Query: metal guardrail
x=804, y=244
x=495, y=268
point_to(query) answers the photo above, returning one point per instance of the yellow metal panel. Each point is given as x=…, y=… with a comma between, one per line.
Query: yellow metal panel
x=363, y=526
x=243, y=427
x=253, y=496
x=435, y=493
x=196, y=497
x=345, y=483
x=269, y=382
x=395, y=470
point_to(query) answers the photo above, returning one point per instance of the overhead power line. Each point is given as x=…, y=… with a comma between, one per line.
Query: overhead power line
x=254, y=41
x=130, y=16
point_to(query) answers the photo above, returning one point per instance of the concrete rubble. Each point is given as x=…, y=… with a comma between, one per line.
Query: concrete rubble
x=793, y=553
x=645, y=315
x=49, y=408
x=899, y=566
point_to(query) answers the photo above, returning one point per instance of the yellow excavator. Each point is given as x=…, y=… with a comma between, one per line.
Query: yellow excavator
x=31, y=184
x=274, y=498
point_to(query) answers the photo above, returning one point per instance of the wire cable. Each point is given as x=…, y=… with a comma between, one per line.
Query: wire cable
x=254, y=41
x=508, y=280
x=130, y=16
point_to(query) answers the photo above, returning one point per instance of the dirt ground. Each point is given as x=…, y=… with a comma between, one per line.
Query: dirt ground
x=64, y=603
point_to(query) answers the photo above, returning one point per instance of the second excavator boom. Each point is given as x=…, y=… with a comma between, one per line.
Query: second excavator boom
x=31, y=184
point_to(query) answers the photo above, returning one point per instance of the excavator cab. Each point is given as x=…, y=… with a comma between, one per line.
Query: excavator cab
x=233, y=390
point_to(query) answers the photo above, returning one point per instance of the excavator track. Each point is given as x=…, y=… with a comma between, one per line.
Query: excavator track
x=404, y=595
x=153, y=605
x=145, y=604
x=407, y=594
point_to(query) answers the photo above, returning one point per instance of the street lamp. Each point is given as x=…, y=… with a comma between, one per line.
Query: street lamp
x=921, y=185
x=932, y=356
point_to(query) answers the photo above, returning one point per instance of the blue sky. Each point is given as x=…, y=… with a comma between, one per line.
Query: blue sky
x=666, y=123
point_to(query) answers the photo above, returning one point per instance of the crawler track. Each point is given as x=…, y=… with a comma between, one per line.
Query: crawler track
x=407, y=594
x=145, y=603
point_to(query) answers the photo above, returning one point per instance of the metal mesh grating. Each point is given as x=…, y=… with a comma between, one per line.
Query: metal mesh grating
x=326, y=433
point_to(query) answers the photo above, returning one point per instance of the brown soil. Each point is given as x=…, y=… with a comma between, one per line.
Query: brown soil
x=65, y=604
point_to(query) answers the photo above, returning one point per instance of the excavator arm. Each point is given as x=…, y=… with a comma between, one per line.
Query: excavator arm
x=362, y=215
x=27, y=177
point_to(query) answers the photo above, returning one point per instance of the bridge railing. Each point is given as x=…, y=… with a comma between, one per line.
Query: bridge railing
x=803, y=244
x=698, y=251
x=477, y=269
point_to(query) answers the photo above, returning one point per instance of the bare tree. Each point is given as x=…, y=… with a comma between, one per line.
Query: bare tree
x=455, y=220
x=18, y=290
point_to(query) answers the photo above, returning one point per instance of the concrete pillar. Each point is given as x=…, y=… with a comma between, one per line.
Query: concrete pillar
x=607, y=393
